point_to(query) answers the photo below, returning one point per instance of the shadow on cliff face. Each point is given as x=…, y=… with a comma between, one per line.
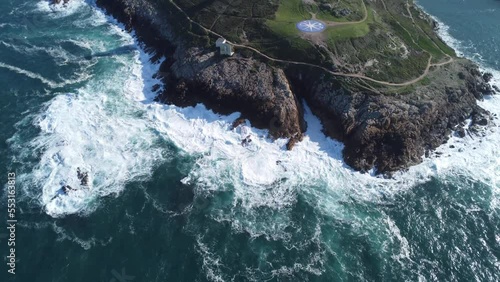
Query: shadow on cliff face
x=322, y=127
x=261, y=93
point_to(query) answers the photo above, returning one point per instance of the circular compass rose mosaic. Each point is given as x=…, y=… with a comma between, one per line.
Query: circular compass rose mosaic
x=311, y=26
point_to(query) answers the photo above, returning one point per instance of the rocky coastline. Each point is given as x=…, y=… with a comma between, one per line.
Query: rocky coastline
x=381, y=131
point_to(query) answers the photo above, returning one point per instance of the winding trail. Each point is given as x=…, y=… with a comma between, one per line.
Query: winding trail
x=365, y=17
x=349, y=75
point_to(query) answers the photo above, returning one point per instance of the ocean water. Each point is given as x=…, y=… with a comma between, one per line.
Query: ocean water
x=175, y=197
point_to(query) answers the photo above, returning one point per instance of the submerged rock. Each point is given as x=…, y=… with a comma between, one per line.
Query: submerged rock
x=59, y=1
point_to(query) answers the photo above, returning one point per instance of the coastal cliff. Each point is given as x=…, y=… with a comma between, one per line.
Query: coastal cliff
x=389, y=110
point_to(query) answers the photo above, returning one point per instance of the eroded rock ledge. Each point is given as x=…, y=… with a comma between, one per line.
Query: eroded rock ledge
x=392, y=132
x=387, y=131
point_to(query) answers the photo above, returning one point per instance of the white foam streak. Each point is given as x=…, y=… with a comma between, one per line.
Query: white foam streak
x=85, y=244
x=211, y=263
x=113, y=146
x=60, y=56
x=48, y=82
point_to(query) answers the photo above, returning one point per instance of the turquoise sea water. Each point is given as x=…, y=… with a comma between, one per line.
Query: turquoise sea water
x=175, y=197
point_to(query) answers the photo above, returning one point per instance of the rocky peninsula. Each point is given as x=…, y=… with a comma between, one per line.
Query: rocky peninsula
x=378, y=76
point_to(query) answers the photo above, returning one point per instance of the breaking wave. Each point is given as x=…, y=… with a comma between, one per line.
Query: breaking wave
x=110, y=126
x=99, y=128
x=108, y=117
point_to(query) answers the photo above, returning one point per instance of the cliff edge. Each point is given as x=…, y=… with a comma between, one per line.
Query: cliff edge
x=377, y=75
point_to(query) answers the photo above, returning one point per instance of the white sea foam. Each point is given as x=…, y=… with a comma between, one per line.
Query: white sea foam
x=111, y=144
x=99, y=128
x=268, y=176
x=211, y=263
x=2, y=25
x=111, y=127
x=104, y=137
x=60, y=10
x=85, y=244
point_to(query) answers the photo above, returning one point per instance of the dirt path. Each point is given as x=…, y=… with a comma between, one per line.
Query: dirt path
x=429, y=65
x=365, y=17
x=450, y=60
x=409, y=12
x=426, y=72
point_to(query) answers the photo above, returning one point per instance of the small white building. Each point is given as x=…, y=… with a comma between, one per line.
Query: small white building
x=224, y=46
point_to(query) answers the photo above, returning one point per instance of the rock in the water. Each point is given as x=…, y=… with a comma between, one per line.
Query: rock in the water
x=461, y=133
x=487, y=76
x=60, y=1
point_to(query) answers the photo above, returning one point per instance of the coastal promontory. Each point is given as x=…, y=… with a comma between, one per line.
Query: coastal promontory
x=375, y=72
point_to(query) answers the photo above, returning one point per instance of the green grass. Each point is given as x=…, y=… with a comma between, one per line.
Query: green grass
x=401, y=70
x=357, y=11
x=291, y=11
x=428, y=30
x=284, y=26
x=428, y=45
x=350, y=31
x=416, y=38
x=361, y=41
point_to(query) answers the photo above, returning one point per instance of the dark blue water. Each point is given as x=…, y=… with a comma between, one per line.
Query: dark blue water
x=175, y=198
x=473, y=26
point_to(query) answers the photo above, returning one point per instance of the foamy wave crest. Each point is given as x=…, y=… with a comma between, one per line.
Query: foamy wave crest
x=101, y=129
x=87, y=130
x=264, y=175
x=60, y=10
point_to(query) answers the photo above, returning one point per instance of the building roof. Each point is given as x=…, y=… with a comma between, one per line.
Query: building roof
x=220, y=41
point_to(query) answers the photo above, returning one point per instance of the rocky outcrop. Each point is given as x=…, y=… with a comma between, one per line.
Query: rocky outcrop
x=260, y=92
x=392, y=132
